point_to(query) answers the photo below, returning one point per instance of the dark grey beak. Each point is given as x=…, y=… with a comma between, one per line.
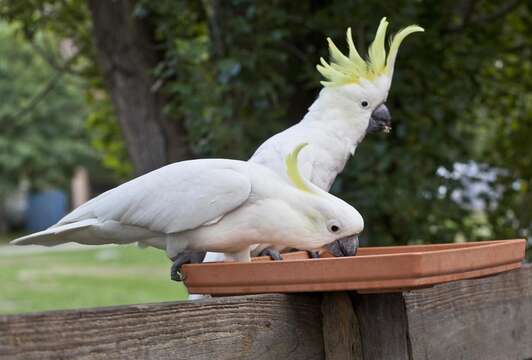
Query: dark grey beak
x=380, y=120
x=346, y=246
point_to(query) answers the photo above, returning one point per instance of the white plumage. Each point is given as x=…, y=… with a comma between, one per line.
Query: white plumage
x=210, y=204
x=334, y=126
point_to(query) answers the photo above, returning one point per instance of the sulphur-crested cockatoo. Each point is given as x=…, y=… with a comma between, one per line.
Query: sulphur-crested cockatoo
x=350, y=105
x=210, y=205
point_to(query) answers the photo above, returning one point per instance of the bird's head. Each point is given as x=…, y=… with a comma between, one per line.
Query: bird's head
x=359, y=87
x=329, y=221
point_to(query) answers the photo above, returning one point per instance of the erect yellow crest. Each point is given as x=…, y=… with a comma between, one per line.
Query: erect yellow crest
x=292, y=169
x=353, y=68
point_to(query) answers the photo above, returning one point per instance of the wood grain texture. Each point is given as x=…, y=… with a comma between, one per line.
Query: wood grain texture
x=383, y=326
x=341, y=333
x=488, y=318
x=273, y=326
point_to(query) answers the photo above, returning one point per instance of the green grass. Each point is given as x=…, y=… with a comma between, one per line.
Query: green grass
x=5, y=238
x=85, y=278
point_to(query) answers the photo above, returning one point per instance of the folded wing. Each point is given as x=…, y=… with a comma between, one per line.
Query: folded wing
x=172, y=199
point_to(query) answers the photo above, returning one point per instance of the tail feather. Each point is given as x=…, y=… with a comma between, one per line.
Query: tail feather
x=58, y=235
x=94, y=232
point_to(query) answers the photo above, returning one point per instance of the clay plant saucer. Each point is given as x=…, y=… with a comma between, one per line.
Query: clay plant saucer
x=373, y=270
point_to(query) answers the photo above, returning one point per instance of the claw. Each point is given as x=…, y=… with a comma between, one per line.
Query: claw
x=175, y=271
x=313, y=254
x=272, y=253
x=187, y=257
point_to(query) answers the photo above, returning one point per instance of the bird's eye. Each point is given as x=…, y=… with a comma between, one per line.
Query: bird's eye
x=333, y=227
x=364, y=103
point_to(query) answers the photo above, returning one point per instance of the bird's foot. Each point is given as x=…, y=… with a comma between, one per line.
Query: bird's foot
x=272, y=253
x=187, y=257
x=313, y=254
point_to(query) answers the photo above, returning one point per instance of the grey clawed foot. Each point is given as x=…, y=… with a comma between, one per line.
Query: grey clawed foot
x=313, y=254
x=183, y=258
x=272, y=253
x=175, y=271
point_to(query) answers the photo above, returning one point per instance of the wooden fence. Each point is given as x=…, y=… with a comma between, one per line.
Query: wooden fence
x=488, y=318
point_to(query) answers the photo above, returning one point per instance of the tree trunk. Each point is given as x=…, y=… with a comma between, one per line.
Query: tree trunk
x=127, y=55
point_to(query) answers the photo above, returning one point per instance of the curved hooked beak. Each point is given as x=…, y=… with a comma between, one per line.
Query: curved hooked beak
x=380, y=120
x=346, y=246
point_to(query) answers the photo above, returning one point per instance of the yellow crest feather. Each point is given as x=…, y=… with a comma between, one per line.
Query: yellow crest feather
x=377, y=51
x=396, y=42
x=292, y=169
x=352, y=69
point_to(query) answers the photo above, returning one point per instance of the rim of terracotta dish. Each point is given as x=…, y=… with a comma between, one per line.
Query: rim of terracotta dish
x=427, y=265
x=458, y=247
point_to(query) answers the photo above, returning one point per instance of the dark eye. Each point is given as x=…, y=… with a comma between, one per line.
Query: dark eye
x=333, y=226
x=364, y=103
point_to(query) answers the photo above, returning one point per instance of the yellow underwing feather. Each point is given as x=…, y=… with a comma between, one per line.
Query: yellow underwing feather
x=292, y=169
x=352, y=69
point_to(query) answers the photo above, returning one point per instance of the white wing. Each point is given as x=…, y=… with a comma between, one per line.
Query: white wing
x=175, y=198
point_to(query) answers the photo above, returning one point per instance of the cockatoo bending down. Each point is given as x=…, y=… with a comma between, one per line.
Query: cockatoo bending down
x=210, y=205
x=351, y=105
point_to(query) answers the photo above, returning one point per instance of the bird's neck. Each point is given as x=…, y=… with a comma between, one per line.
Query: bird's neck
x=334, y=119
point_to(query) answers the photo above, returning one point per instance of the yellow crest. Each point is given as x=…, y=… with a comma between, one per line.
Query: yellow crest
x=292, y=169
x=353, y=68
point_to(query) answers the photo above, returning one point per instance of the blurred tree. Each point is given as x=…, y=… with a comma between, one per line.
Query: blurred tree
x=226, y=75
x=127, y=55
x=213, y=52
x=505, y=108
x=70, y=21
x=41, y=117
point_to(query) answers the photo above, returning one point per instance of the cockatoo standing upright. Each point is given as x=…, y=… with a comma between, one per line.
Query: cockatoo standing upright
x=210, y=204
x=350, y=105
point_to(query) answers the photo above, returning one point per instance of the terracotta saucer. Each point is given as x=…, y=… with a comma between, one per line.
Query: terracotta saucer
x=373, y=270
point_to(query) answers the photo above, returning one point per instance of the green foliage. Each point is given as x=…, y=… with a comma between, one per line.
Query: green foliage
x=71, y=20
x=105, y=136
x=505, y=109
x=41, y=117
x=232, y=93
x=241, y=72
x=238, y=71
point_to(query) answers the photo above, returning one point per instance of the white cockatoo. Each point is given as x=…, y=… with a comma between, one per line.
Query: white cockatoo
x=210, y=205
x=350, y=105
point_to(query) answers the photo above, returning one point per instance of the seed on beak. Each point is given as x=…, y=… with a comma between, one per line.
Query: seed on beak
x=380, y=120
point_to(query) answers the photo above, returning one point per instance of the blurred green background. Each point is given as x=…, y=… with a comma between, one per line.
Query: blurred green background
x=74, y=278
x=215, y=79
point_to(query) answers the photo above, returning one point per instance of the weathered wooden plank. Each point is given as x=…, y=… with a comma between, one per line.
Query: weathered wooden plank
x=383, y=326
x=272, y=326
x=489, y=318
x=341, y=334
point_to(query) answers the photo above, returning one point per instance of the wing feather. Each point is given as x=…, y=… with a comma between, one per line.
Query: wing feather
x=175, y=198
